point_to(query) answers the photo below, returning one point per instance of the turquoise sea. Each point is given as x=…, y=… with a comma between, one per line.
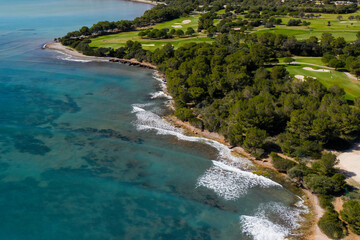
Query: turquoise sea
x=85, y=153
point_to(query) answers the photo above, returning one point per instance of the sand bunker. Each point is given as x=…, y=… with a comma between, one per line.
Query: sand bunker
x=178, y=25
x=348, y=21
x=316, y=70
x=300, y=77
x=148, y=45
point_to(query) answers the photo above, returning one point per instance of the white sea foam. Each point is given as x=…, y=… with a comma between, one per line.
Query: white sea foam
x=158, y=77
x=67, y=57
x=159, y=94
x=262, y=229
x=224, y=178
x=284, y=218
x=230, y=182
x=285, y=215
x=228, y=179
x=147, y=120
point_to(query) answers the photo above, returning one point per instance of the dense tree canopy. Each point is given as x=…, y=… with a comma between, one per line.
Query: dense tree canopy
x=351, y=214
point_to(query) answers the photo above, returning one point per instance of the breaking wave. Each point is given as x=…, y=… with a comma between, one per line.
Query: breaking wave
x=148, y=120
x=67, y=57
x=262, y=229
x=230, y=182
x=228, y=177
x=283, y=220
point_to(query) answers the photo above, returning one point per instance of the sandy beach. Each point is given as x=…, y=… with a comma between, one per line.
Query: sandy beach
x=72, y=53
x=57, y=46
x=349, y=162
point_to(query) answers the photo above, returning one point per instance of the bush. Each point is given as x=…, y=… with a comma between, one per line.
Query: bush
x=351, y=214
x=184, y=114
x=254, y=141
x=322, y=184
x=331, y=225
x=326, y=201
x=327, y=58
x=299, y=171
x=294, y=22
x=281, y=164
x=288, y=60
x=326, y=164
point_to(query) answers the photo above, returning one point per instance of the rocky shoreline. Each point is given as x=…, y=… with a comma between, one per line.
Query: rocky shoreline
x=311, y=199
x=57, y=46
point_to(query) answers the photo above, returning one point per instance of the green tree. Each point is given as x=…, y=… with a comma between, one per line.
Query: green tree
x=326, y=40
x=281, y=164
x=327, y=58
x=179, y=33
x=190, y=31
x=325, y=166
x=331, y=225
x=255, y=140
x=323, y=184
x=279, y=72
x=288, y=60
x=336, y=63
x=184, y=114
x=351, y=214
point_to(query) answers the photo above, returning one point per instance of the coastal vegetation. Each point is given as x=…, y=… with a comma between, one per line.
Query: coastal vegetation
x=351, y=214
x=230, y=70
x=331, y=225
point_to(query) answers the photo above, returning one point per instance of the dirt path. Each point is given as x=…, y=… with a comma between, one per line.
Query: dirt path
x=318, y=212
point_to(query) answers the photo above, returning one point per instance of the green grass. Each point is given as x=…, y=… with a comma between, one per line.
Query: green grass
x=318, y=26
x=193, y=18
x=339, y=28
x=120, y=39
x=328, y=79
x=342, y=28
x=312, y=60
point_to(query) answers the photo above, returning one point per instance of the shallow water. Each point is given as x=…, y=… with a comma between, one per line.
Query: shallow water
x=85, y=153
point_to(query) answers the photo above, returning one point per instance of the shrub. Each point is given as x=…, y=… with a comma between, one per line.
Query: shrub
x=299, y=171
x=254, y=141
x=322, y=184
x=326, y=164
x=327, y=58
x=326, y=201
x=281, y=164
x=331, y=225
x=288, y=60
x=184, y=114
x=294, y=22
x=351, y=214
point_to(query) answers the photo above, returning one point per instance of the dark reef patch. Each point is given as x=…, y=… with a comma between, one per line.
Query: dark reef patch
x=22, y=105
x=29, y=144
